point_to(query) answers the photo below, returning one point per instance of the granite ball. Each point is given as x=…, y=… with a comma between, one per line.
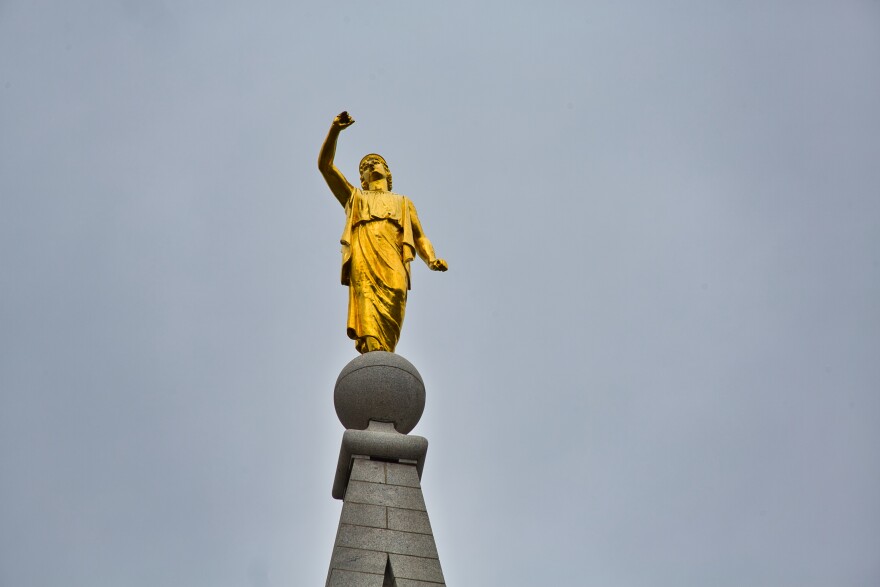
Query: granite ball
x=379, y=386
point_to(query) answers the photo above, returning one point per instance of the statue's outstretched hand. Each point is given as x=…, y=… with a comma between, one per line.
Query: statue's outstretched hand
x=343, y=120
x=438, y=265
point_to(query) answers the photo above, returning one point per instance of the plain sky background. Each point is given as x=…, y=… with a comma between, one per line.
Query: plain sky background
x=654, y=361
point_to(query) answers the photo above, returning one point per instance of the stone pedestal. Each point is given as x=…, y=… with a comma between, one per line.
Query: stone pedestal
x=384, y=537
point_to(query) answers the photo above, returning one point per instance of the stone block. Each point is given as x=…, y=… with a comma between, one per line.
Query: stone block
x=390, y=541
x=408, y=521
x=411, y=583
x=364, y=561
x=340, y=578
x=399, y=474
x=389, y=495
x=418, y=568
x=367, y=470
x=362, y=514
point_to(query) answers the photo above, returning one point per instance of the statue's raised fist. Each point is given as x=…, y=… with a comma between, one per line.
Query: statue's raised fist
x=343, y=120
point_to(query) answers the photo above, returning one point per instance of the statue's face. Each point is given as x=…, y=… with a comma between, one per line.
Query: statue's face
x=374, y=171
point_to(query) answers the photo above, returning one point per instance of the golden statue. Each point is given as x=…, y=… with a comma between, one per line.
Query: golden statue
x=382, y=234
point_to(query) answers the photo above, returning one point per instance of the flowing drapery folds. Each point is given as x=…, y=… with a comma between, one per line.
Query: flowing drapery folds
x=377, y=247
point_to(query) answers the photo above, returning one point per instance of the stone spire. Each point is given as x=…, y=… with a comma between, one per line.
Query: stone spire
x=384, y=537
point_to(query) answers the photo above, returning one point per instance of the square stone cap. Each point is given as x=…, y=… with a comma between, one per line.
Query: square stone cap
x=380, y=441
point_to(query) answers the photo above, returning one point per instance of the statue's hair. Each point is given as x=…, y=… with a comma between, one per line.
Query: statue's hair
x=366, y=161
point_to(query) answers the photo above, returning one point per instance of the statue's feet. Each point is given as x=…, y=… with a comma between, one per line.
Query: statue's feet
x=368, y=344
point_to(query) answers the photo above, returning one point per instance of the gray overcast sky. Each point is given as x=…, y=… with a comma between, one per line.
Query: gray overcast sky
x=653, y=361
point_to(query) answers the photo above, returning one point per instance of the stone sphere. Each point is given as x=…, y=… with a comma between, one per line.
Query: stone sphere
x=379, y=386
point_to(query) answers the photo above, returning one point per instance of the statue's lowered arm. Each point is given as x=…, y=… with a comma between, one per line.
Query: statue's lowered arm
x=423, y=246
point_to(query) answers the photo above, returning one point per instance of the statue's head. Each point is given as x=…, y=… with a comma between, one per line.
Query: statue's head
x=368, y=164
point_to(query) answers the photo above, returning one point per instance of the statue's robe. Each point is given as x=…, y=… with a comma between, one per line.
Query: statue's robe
x=377, y=247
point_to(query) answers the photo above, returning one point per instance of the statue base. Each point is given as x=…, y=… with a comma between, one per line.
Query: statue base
x=384, y=537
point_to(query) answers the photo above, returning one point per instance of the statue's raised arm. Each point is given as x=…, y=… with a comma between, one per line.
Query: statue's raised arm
x=340, y=186
x=382, y=235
